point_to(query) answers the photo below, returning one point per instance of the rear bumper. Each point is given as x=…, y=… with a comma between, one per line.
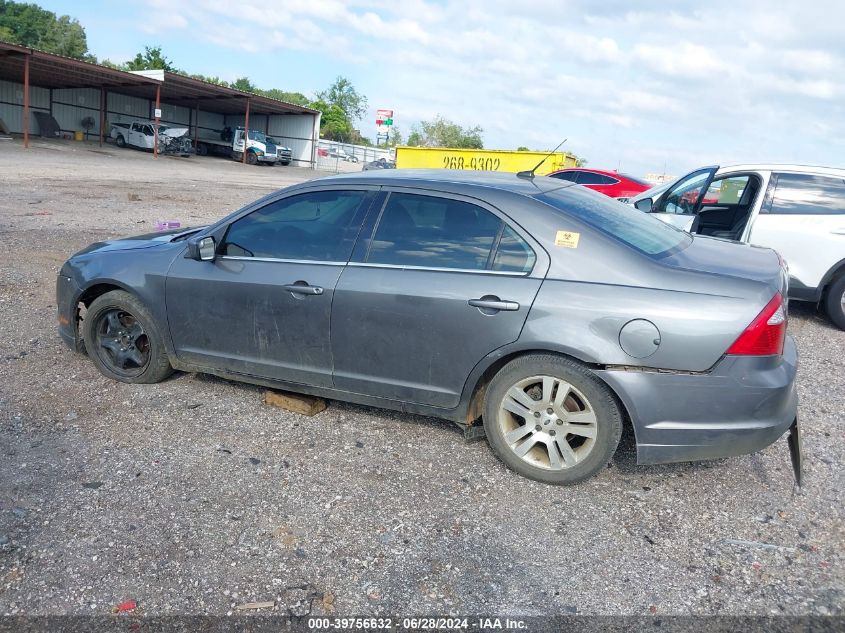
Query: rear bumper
x=744, y=404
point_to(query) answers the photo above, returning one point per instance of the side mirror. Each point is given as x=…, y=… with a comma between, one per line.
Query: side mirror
x=645, y=204
x=202, y=250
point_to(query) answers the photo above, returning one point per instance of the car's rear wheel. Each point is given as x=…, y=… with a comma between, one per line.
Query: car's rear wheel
x=120, y=141
x=123, y=341
x=551, y=419
x=835, y=302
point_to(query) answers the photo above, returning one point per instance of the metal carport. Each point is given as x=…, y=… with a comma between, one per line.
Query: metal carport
x=69, y=89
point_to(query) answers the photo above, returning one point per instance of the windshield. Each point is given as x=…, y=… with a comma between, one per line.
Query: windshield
x=641, y=231
x=255, y=135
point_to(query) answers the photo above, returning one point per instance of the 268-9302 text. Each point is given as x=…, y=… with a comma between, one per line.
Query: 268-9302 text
x=476, y=162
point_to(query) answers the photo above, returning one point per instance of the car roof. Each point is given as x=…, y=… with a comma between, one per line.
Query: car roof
x=784, y=167
x=438, y=177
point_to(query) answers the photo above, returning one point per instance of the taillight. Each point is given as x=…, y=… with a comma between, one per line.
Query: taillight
x=765, y=335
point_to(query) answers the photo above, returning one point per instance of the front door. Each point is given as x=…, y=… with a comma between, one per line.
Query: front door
x=441, y=284
x=677, y=205
x=263, y=306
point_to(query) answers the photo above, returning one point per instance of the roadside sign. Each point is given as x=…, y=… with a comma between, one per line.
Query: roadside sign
x=157, y=113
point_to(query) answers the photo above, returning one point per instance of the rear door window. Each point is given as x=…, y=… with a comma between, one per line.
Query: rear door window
x=436, y=232
x=314, y=226
x=805, y=194
x=592, y=178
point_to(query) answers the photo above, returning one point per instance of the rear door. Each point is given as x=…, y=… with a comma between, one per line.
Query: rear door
x=678, y=204
x=803, y=218
x=438, y=283
x=263, y=306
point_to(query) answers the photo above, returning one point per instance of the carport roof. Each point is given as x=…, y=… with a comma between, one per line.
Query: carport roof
x=54, y=71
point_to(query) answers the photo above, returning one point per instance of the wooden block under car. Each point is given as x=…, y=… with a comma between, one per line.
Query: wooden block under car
x=296, y=402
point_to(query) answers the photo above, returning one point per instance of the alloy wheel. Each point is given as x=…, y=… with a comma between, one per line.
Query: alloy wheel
x=548, y=423
x=122, y=343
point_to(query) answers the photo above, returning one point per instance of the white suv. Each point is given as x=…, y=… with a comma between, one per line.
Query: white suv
x=797, y=210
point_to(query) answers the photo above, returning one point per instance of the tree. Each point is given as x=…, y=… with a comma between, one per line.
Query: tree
x=522, y=148
x=151, y=59
x=579, y=161
x=30, y=25
x=244, y=83
x=343, y=95
x=296, y=98
x=395, y=137
x=334, y=124
x=441, y=132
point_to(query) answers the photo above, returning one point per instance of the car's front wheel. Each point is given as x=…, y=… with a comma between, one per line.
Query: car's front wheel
x=835, y=302
x=551, y=419
x=123, y=341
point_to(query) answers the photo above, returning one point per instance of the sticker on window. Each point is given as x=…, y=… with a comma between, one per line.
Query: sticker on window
x=567, y=239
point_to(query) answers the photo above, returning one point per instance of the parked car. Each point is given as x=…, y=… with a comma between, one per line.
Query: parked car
x=380, y=163
x=541, y=314
x=610, y=183
x=797, y=210
x=141, y=134
x=340, y=153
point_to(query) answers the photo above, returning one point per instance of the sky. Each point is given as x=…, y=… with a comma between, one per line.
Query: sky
x=640, y=86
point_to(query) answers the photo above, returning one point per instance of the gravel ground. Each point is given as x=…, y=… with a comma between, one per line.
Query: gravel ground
x=192, y=497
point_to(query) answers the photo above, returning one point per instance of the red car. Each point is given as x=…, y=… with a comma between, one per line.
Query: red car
x=610, y=183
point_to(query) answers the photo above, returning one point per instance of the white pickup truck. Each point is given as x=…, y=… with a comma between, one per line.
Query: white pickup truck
x=260, y=148
x=141, y=134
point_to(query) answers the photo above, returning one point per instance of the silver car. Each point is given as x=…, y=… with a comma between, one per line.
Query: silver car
x=539, y=313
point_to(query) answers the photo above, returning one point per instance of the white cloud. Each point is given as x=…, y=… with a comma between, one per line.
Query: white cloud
x=686, y=82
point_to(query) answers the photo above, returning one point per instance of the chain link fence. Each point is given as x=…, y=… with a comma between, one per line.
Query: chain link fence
x=337, y=157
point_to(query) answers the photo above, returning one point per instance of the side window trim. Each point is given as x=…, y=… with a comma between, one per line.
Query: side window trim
x=360, y=259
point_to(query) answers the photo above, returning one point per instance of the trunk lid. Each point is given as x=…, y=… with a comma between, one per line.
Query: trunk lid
x=724, y=257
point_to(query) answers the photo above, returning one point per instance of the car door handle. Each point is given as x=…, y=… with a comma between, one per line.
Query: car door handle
x=303, y=289
x=490, y=303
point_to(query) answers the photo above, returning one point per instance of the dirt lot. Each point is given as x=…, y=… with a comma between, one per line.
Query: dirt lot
x=191, y=496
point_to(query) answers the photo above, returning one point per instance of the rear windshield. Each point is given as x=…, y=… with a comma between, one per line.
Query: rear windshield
x=639, y=230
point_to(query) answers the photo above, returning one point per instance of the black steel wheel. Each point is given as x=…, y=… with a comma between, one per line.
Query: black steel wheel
x=122, y=340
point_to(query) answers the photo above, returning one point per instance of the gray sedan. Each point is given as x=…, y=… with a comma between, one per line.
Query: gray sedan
x=540, y=314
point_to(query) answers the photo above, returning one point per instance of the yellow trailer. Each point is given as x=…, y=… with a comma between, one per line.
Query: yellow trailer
x=480, y=159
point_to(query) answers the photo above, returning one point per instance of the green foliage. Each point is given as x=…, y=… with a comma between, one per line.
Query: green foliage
x=151, y=59
x=30, y=25
x=244, y=83
x=334, y=124
x=442, y=132
x=395, y=137
x=343, y=95
x=296, y=98
x=522, y=148
x=579, y=162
